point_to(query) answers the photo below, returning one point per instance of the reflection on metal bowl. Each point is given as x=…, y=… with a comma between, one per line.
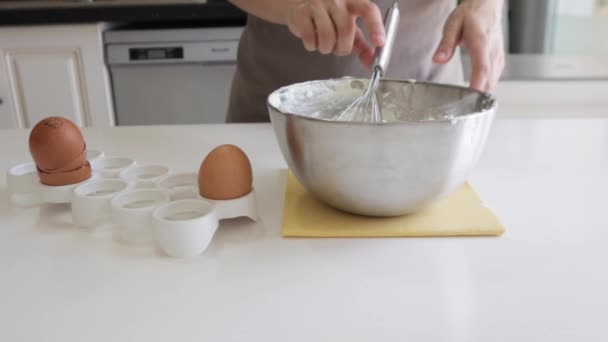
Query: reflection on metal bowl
x=433, y=136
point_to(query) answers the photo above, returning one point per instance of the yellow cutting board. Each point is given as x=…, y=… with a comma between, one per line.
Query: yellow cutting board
x=460, y=214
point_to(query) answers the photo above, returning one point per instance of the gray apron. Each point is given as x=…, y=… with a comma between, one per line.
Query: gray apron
x=270, y=57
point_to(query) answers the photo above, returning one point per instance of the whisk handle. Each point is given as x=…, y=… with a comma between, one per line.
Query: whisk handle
x=383, y=54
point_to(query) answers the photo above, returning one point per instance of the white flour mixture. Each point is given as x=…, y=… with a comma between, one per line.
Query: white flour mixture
x=399, y=101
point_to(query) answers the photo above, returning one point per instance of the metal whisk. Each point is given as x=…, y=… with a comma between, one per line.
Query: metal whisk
x=367, y=107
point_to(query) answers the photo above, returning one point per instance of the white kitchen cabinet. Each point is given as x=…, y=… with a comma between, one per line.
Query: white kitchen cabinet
x=54, y=70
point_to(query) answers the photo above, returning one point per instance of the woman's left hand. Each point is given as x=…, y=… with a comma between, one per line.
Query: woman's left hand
x=478, y=25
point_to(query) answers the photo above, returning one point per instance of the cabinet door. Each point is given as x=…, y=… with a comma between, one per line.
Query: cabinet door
x=7, y=112
x=45, y=83
x=54, y=70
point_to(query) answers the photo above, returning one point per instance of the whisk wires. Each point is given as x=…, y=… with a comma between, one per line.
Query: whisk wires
x=367, y=107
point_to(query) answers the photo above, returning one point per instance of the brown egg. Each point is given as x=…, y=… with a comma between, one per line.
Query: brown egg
x=77, y=163
x=225, y=174
x=66, y=178
x=56, y=144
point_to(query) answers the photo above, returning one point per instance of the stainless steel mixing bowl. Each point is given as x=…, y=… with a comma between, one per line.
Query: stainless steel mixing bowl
x=433, y=137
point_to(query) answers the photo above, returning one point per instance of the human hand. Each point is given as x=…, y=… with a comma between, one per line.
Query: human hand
x=476, y=24
x=329, y=26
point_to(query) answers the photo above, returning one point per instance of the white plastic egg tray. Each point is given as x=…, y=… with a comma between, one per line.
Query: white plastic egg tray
x=146, y=203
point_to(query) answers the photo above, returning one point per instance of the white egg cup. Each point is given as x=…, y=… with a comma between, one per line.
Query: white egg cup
x=239, y=207
x=145, y=176
x=91, y=202
x=184, y=228
x=110, y=167
x=132, y=214
x=60, y=194
x=94, y=155
x=180, y=186
x=22, y=184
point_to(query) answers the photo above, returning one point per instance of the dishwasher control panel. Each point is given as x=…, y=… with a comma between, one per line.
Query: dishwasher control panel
x=147, y=53
x=207, y=46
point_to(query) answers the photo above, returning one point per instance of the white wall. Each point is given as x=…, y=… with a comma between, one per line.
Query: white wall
x=575, y=7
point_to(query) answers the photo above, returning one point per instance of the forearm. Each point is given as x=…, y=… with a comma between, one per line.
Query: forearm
x=274, y=11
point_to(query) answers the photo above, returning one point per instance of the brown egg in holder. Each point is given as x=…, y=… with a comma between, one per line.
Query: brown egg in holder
x=56, y=144
x=66, y=178
x=225, y=174
x=76, y=163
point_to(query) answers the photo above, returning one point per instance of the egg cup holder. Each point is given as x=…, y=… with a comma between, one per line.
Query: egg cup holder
x=132, y=214
x=25, y=189
x=110, y=167
x=144, y=176
x=145, y=203
x=22, y=184
x=91, y=202
x=184, y=228
x=239, y=207
x=180, y=185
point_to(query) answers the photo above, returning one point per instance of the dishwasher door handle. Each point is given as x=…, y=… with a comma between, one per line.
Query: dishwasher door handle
x=218, y=49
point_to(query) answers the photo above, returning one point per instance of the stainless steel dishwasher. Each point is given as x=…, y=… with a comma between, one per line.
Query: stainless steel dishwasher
x=171, y=76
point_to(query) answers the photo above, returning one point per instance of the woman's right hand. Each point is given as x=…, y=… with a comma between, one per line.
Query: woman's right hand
x=329, y=26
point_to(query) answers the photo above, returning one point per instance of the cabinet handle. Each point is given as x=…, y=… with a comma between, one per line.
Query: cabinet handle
x=1, y=101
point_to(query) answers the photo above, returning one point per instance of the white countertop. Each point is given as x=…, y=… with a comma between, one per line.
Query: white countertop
x=549, y=67
x=546, y=279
